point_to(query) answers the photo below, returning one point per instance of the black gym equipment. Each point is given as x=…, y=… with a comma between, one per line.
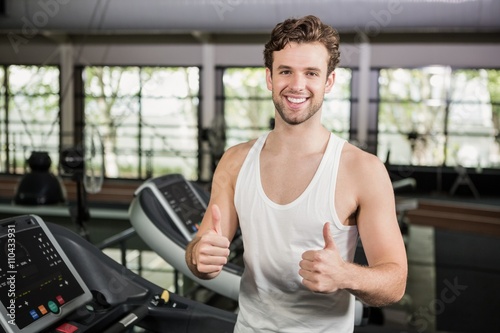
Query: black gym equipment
x=165, y=213
x=40, y=186
x=119, y=298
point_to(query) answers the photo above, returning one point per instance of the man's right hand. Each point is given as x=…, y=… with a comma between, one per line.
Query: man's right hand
x=211, y=251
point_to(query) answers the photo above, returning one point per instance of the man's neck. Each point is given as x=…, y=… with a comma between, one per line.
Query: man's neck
x=298, y=139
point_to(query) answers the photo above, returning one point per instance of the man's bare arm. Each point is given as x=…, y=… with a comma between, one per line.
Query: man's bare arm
x=208, y=251
x=365, y=179
x=384, y=280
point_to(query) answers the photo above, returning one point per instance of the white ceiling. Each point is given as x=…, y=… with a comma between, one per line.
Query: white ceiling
x=246, y=16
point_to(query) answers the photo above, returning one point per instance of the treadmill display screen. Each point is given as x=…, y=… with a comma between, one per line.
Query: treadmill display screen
x=185, y=203
x=35, y=281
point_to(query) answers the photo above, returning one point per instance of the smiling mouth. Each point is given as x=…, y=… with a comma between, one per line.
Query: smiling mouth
x=296, y=100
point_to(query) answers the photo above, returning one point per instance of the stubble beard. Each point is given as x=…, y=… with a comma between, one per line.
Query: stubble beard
x=301, y=117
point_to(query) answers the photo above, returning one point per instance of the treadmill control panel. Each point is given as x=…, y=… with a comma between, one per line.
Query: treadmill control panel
x=185, y=204
x=181, y=201
x=37, y=282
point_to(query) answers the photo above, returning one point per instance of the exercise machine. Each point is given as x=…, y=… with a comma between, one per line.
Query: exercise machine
x=54, y=281
x=166, y=212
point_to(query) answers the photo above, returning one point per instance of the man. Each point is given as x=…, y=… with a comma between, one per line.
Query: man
x=301, y=196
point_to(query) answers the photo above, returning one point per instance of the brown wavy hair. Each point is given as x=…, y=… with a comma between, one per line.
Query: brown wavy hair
x=307, y=29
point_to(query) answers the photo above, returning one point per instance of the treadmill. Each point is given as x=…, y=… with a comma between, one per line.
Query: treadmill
x=166, y=212
x=54, y=281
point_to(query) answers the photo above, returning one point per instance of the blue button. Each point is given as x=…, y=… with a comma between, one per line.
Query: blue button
x=33, y=314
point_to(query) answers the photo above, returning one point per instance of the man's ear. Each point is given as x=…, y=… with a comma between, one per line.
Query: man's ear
x=330, y=80
x=269, y=79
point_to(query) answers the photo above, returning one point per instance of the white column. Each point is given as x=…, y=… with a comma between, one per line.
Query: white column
x=208, y=102
x=364, y=92
x=67, y=94
x=208, y=84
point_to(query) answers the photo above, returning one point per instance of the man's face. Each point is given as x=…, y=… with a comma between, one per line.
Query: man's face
x=299, y=81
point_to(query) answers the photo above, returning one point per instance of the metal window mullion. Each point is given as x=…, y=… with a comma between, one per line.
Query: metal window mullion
x=6, y=97
x=139, y=127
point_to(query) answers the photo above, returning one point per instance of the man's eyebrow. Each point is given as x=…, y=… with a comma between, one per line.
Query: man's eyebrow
x=315, y=69
x=284, y=67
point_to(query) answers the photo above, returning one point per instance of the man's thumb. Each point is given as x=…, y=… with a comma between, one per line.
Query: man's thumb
x=216, y=217
x=327, y=236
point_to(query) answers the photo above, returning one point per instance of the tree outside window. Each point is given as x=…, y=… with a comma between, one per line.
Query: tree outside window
x=436, y=116
x=30, y=121
x=147, y=118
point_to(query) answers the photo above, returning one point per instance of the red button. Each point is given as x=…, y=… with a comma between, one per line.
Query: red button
x=67, y=328
x=60, y=299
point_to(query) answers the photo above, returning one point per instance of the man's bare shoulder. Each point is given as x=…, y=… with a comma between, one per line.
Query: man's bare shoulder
x=240, y=150
x=356, y=159
x=234, y=157
x=364, y=173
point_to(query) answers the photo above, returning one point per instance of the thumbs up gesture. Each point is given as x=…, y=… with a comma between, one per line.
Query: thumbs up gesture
x=211, y=251
x=322, y=270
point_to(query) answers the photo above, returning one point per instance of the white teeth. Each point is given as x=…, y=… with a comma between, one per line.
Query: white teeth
x=296, y=100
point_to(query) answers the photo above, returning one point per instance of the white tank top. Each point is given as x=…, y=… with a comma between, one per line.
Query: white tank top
x=272, y=297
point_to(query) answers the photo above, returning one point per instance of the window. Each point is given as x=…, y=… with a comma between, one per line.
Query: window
x=437, y=116
x=337, y=104
x=147, y=118
x=249, y=110
x=248, y=105
x=29, y=115
x=473, y=125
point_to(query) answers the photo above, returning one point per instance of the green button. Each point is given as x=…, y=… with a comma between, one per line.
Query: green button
x=53, y=307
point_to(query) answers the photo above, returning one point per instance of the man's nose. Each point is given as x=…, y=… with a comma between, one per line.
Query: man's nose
x=297, y=82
